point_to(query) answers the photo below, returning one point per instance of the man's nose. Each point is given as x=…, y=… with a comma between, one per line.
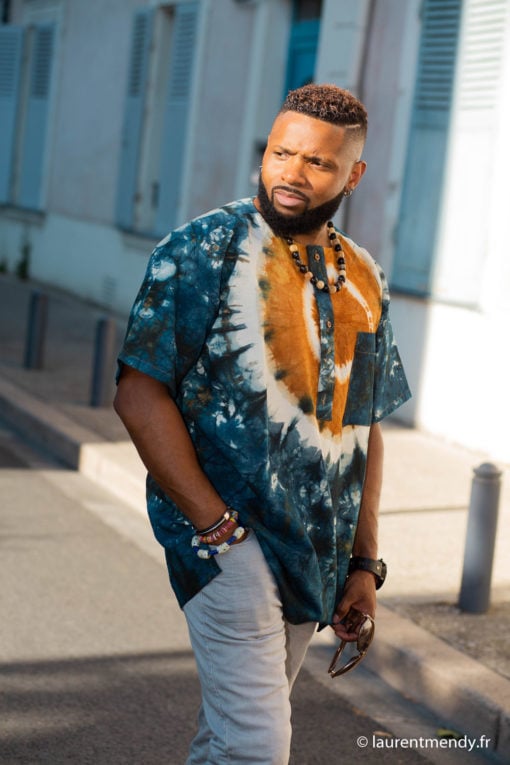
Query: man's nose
x=293, y=171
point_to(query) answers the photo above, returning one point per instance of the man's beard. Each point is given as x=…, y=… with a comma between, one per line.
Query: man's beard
x=312, y=219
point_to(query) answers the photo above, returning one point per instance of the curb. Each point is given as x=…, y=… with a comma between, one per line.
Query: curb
x=464, y=694
x=114, y=466
x=471, y=697
x=43, y=425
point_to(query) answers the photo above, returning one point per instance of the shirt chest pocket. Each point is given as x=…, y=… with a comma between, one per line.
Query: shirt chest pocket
x=360, y=395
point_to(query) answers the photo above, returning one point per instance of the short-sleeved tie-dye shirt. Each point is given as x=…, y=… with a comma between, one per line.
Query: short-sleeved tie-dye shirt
x=278, y=384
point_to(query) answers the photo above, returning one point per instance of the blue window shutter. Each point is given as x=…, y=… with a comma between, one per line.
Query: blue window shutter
x=11, y=54
x=427, y=147
x=35, y=126
x=176, y=117
x=133, y=116
x=302, y=54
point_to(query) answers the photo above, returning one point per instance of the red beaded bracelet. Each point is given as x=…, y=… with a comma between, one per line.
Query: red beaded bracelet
x=211, y=538
x=225, y=517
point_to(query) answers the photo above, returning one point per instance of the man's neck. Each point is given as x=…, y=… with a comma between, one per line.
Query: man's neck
x=319, y=237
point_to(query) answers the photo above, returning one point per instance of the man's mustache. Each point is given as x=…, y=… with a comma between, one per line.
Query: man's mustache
x=290, y=190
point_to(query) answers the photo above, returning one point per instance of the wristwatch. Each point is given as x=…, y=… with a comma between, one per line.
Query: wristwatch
x=376, y=567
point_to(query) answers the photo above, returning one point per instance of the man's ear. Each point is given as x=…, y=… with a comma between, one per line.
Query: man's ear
x=357, y=173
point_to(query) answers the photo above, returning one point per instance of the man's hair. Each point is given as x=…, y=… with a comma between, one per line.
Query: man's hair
x=329, y=103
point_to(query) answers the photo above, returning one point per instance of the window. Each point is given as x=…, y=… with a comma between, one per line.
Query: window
x=26, y=74
x=427, y=147
x=303, y=43
x=156, y=118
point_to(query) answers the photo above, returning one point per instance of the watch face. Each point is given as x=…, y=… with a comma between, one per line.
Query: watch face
x=382, y=575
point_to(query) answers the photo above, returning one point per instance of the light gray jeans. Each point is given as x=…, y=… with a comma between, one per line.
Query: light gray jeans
x=248, y=657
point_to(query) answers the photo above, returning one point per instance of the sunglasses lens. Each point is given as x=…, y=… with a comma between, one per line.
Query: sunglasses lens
x=366, y=633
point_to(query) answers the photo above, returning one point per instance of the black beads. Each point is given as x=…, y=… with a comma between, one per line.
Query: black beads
x=319, y=284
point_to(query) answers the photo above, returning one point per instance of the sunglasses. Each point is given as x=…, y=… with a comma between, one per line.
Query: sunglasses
x=365, y=626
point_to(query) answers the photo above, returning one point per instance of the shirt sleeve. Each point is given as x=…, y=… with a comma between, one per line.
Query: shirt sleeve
x=176, y=305
x=391, y=389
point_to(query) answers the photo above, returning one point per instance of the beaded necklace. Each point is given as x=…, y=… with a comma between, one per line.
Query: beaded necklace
x=309, y=276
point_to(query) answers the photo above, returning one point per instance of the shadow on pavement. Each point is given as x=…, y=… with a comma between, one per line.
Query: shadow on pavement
x=104, y=711
x=141, y=710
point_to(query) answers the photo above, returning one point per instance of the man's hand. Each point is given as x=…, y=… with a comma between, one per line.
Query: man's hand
x=359, y=593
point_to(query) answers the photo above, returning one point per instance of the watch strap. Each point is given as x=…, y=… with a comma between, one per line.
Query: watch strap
x=376, y=567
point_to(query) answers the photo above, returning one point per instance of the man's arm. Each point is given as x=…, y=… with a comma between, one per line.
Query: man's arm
x=360, y=587
x=157, y=429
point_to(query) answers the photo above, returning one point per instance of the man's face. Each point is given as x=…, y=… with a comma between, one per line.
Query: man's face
x=306, y=167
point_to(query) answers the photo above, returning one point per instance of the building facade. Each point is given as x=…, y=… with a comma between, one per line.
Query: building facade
x=121, y=120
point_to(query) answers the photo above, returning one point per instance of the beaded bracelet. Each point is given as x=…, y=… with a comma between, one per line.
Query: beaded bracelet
x=212, y=538
x=225, y=517
x=207, y=551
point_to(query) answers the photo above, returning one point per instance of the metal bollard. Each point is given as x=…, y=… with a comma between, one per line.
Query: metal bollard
x=480, y=539
x=36, y=331
x=102, y=370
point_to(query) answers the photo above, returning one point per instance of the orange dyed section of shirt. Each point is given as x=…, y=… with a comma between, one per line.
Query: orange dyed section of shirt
x=293, y=326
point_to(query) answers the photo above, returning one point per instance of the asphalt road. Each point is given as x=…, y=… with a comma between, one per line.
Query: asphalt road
x=95, y=664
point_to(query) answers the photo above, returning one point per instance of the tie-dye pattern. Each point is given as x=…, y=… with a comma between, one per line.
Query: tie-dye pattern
x=278, y=385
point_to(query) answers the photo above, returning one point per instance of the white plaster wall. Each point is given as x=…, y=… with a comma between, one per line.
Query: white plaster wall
x=264, y=88
x=239, y=90
x=92, y=260
x=387, y=31
x=341, y=41
x=218, y=112
x=474, y=411
x=457, y=364
x=387, y=91
x=215, y=130
x=409, y=318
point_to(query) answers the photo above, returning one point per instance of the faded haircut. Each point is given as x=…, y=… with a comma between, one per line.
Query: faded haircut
x=329, y=103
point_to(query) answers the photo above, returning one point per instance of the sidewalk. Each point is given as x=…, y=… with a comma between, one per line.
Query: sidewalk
x=456, y=664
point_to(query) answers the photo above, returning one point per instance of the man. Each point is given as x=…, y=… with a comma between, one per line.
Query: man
x=258, y=362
